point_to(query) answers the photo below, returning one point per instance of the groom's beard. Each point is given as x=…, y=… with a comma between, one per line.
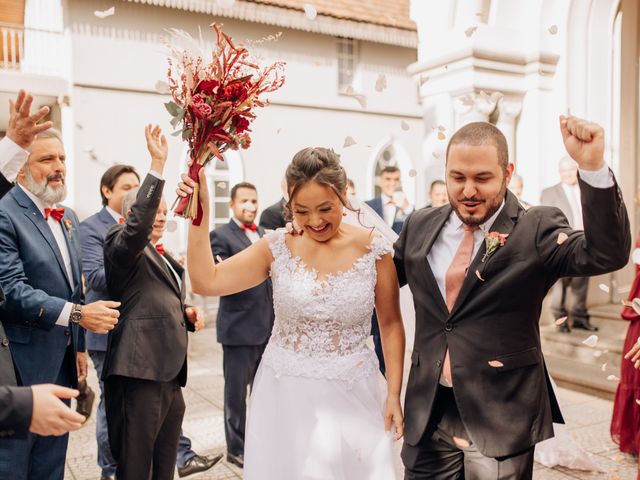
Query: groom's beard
x=492, y=205
x=49, y=194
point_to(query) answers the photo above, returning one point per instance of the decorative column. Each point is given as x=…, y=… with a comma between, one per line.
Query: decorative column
x=508, y=112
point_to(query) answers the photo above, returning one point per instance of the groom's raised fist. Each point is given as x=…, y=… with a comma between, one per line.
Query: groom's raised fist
x=584, y=142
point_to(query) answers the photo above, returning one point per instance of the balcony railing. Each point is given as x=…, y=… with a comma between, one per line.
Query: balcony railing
x=32, y=50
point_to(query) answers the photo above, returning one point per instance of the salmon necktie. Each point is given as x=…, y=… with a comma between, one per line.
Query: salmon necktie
x=453, y=281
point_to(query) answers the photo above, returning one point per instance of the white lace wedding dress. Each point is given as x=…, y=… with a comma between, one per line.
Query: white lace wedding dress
x=316, y=409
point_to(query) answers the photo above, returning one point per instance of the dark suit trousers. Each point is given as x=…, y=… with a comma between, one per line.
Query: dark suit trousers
x=438, y=456
x=579, y=287
x=38, y=457
x=239, y=364
x=377, y=341
x=144, y=420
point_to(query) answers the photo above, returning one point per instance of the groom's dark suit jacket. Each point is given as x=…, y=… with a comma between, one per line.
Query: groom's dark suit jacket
x=150, y=340
x=509, y=408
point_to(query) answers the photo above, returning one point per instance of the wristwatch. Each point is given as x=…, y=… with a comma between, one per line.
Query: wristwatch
x=76, y=313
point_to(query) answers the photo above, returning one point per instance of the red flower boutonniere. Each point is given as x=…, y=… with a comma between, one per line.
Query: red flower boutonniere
x=68, y=224
x=493, y=241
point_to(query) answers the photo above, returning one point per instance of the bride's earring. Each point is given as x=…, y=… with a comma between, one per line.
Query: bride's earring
x=344, y=212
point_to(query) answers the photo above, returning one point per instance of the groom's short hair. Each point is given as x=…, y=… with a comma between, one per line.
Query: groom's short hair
x=482, y=133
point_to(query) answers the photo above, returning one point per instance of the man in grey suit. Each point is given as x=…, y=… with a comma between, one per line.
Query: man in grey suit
x=566, y=196
x=244, y=319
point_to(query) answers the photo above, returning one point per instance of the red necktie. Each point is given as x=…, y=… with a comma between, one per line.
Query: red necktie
x=453, y=280
x=160, y=248
x=55, y=213
x=252, y=226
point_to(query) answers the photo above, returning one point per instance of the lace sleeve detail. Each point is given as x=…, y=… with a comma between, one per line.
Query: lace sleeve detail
x=380, y=246
x=275, y=239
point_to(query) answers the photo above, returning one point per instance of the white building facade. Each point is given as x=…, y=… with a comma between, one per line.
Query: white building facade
x=98, y=75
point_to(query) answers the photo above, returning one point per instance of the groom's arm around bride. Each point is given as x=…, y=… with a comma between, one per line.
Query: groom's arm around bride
x=488, y=331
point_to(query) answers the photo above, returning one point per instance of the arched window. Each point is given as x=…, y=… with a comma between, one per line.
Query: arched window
x=389, y=153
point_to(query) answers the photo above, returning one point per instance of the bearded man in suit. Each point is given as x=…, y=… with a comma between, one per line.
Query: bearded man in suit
x=478, y=396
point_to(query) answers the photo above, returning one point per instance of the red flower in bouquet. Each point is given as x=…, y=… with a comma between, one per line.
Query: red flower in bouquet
x=215, y=102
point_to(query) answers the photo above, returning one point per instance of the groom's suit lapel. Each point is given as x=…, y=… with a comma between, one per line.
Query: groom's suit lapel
x=503, y=224
x=438, y=221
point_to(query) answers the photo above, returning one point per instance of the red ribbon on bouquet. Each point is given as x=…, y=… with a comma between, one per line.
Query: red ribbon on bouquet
x=190, y=206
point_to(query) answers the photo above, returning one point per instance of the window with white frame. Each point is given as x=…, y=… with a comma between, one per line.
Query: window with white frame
x=219, y=181
x=347, y=63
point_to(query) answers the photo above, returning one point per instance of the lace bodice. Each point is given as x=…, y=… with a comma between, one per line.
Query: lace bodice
x=321, y=326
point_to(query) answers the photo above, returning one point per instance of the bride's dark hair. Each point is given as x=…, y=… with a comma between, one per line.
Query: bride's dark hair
x=320, y=165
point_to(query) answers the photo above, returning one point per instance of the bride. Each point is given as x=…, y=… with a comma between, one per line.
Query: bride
x=318, y=408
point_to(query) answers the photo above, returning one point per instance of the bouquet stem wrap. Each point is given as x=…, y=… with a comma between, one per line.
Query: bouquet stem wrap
x=190, y=206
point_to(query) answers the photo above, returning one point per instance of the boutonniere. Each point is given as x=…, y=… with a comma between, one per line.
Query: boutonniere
x=493, y=241
x=68, y=224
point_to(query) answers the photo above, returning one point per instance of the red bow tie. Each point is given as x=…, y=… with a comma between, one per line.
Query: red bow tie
x=55, y=213
x=121, y=221
x=160, y=248
x=252, y=226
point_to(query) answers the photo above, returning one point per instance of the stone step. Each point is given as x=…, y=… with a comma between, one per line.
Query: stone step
x=580, y=367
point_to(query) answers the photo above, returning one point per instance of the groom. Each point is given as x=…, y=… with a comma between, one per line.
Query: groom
x=478, y=396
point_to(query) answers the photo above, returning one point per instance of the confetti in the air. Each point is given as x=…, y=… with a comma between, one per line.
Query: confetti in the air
x=604, y=287
x=461, y=442
x=591, y=341
x=470, y=31
x=310, y=11
x=638, y=401
x=105, y=13
x=413, y=172
x=381, y=82
x=441, y=136
x=613, y=378
x=348, y=141
x=604, y=367
x=553, y=29
x=561, y=320
x=598, y=353
x=162, y=87
x=362, y=99
x=479, y=276
x=496, y=364
x=562, y=237
x=404, y=125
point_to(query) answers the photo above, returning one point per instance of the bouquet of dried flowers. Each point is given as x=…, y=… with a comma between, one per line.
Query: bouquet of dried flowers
x=214, y=101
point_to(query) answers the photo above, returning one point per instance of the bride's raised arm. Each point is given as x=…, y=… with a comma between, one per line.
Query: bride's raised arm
x=245, y=270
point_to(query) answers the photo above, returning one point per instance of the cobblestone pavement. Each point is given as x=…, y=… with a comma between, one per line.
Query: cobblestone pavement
x=587, y=418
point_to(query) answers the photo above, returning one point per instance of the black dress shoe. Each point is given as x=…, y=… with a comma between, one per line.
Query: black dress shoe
x=585, y=326
x=198, y=463
x=237, y=460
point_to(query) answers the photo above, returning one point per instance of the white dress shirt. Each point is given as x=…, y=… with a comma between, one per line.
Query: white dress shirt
x=573, y=196
x=251, y=235
x=389, y=209
x=115, y=215
x=59, y=235
x=12, y=158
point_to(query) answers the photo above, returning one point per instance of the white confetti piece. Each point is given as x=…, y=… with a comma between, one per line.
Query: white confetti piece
x=613, y=378
x=441, y=136
x=604, y=287
x=562, y=237
x=598, y=353
x=553, y=29
x=310, y=11
x=413, y=173
x=561, y=320
x=404, y=125
x=381, y=82
x=479, y=276
x=348, y=141
x=638, y=401
x=591, y=341
x=604, y=367
x=162, y=87
x=470, y=31
x=461, y=442
x=496, y=364
x=105, y=13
